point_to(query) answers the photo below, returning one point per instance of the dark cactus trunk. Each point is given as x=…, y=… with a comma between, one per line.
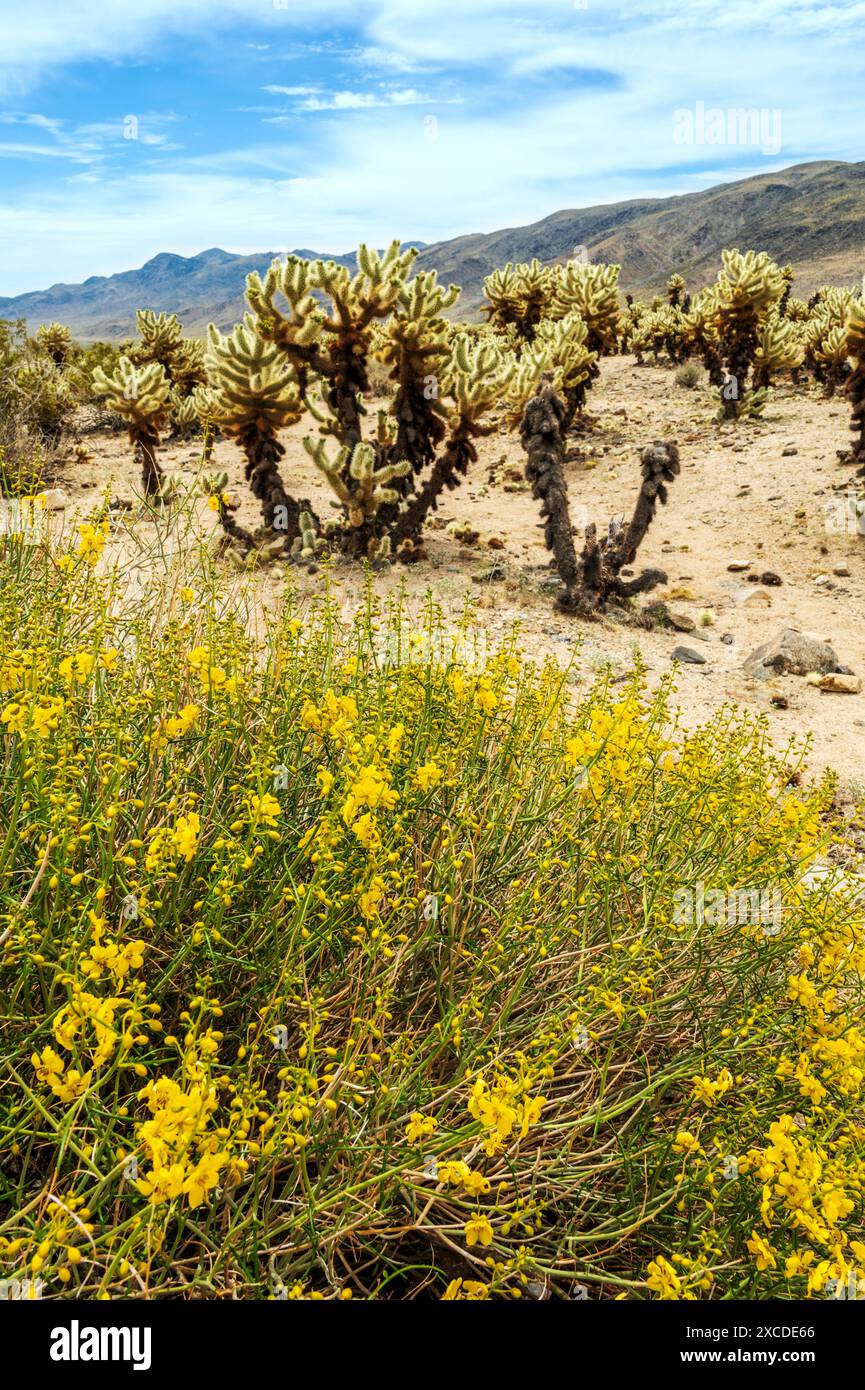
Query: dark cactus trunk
x=281, y=512
x=542, y=435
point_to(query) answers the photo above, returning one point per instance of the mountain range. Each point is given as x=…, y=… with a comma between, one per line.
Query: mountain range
x=812, y=215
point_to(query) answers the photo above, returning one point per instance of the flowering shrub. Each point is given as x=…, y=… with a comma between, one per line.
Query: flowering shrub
x=331, y=973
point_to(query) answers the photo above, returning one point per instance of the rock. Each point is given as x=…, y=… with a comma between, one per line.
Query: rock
x=789, y=452
x=757, y=595
x=728, y=639
x=495, y=543
x=688, y=656
x=792, y=653
x=769, y=577
x=835, y=683
x=737, y=566
x=822, y=579
x=780, y=702
x=841, y=570
x=54, y=498
x=680, y=621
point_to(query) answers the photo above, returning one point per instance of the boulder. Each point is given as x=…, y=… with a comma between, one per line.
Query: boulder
x=792, y=653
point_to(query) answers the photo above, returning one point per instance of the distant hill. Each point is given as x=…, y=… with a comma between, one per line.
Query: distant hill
x=199, y=289
x=812, y=215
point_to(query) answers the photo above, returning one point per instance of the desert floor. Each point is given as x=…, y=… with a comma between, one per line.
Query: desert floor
x=756, y=493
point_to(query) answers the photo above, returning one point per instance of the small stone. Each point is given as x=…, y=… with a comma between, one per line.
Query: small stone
x=771, y=578
x=837, y=684
x=680, y=621
x=788, y=452
x=841, y=570
x=737, y=566
x=688, y=656
x=489, y=574
x=728, y=639
x=54, y=498
x=780, y=702
x=757, y=595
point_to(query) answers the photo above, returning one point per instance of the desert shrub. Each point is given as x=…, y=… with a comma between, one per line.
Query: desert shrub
x=37, y=402
x=689, y=375
x=343, y=963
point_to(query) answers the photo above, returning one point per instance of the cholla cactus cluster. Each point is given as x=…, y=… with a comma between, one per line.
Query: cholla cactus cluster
x=161, y=340
x=140, y=395
x=518, y=295
x=592, y=291
x=307, y=344
x=779, y=348
x=824, y=334
x=564, y=318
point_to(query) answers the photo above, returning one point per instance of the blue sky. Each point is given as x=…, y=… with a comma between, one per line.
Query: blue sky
x=129, y=127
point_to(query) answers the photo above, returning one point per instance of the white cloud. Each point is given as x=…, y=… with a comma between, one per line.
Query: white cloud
x=527, y=132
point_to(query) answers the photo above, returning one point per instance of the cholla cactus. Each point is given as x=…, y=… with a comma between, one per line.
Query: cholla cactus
x=796, y=310
x=186, y=366
x=595, y=577
x=415, y=342
x=825, y=337
x=140, y=395
x=183, y=414
x=362, y=486
x=602, y=561
x=700, y=337
x=325, y=324
x=747, y=289
x=830, y=351
x=856, y=382
x=661, y=331
x=42, y=395
x=253, y=396
x=161, y=336
x=543, y=438
x=559, y=352
x=306, y=544
x=55, y=340
x=677, y=292
x=592, y=291
x=332, y=343
x=518, y=295
x=631, y=327
x=788, y=276
x=779, y=347
x=473, y=381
